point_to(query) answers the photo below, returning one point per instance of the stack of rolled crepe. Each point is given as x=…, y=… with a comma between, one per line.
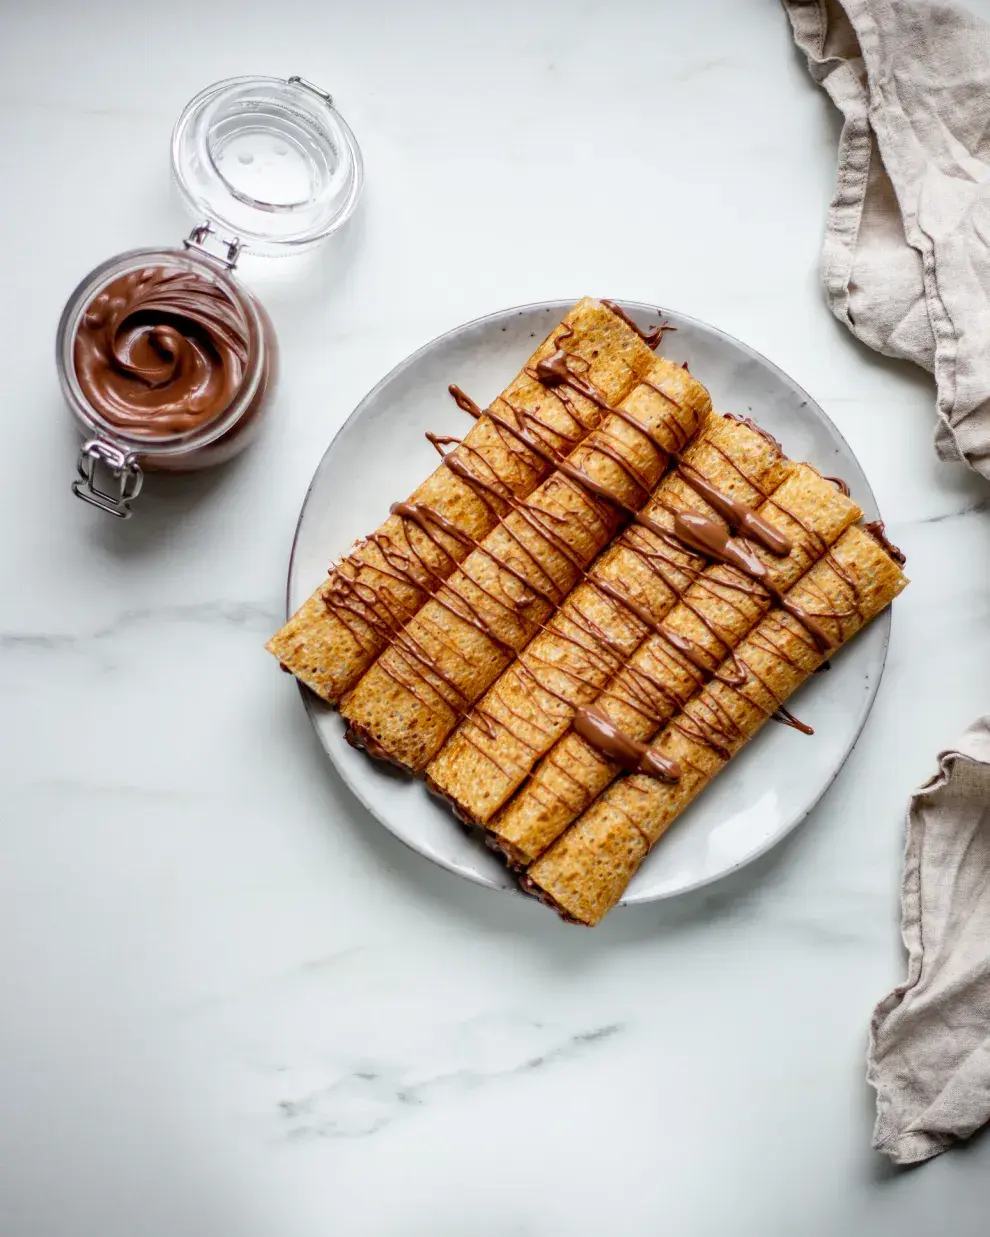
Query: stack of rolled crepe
x=335, y=636
x=715, y=614
x=545, y=583
x=520, y=732
x=478, y=619
x=585, y=872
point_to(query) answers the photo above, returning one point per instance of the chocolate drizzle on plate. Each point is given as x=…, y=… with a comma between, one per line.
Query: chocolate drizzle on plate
x=787, y=718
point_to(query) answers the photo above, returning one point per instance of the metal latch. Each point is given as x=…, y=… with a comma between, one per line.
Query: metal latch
x=122, y=467
x=197, y=238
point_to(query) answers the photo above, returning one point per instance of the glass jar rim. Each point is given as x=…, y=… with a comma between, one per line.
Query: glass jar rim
x=252, y=117
x=166, y=444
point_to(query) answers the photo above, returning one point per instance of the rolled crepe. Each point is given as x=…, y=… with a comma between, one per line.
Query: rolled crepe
x=592, y=634
x=336, y=635
x=406, y=705
x=584, y=874
x=716, y=613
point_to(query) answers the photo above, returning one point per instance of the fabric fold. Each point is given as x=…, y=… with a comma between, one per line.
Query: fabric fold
x=906, y=260
x=929, y=1056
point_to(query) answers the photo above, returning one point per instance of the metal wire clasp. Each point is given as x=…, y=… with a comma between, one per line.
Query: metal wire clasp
x=197, y=240
x=122, y=467
x=296, y=80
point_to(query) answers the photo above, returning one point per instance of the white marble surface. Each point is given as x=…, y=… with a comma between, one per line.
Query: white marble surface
x=232, y=1003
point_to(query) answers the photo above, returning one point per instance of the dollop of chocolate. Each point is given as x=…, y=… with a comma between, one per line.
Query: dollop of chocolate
x=162, y=351
x=600, y=732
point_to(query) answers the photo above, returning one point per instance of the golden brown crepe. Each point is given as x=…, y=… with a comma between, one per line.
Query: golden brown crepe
x=336, y=635
x=458, y=643
x=715, y=614
x=593, y=633
x=584, y=874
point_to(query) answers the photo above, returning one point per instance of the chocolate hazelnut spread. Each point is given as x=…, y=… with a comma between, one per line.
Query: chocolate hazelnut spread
x=162, y=351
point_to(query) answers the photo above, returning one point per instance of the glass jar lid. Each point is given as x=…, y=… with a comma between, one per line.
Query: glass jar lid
x=270, y=163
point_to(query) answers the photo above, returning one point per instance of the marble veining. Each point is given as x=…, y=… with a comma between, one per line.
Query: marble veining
x=374, y=1094
x=248, y=615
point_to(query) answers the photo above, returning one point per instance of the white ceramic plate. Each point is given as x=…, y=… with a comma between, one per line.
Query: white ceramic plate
x=381, y=455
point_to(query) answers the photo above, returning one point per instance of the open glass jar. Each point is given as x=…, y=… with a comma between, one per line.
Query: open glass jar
x=166, y=362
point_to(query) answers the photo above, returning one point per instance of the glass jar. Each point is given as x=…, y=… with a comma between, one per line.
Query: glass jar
x=166, y=362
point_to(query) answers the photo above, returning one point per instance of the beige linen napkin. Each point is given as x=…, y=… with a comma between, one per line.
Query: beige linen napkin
x=929, y=1055
x=906, y=261
x=906, y=266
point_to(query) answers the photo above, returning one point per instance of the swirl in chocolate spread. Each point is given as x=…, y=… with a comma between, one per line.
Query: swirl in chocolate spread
x=161, y=351
x=600, y=732
x=840, y=485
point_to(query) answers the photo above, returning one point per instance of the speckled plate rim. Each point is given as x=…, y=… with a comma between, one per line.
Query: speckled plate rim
x=318, y=711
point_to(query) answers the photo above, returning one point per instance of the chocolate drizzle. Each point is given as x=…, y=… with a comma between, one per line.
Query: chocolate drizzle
x=739, y=517
x=683, y=645
x=600, y=732
x=787, y=718
x=425, y=516
x=758, y=429
x=464, y=402
x=697, y=533
x=878, y=532
x=708, y=538
x=553, y=371
x=713, y=541
x=710, y=724
x=650, y=338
